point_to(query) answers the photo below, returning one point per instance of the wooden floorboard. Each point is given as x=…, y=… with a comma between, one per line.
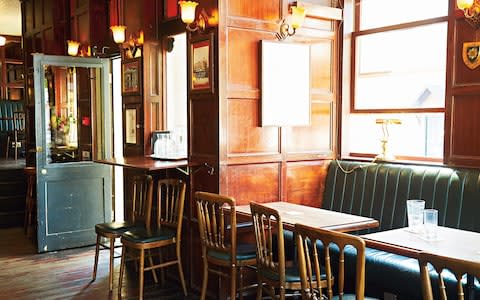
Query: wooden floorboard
x=66, y=274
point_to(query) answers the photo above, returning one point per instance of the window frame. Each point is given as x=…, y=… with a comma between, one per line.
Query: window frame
x=353, y=68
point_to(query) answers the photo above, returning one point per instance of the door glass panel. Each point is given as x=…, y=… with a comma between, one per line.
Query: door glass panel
x=68, y=114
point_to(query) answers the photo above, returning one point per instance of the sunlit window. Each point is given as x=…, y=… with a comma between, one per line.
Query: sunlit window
x=399, y=70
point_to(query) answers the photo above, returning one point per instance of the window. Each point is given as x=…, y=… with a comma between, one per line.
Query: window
x=399, y=67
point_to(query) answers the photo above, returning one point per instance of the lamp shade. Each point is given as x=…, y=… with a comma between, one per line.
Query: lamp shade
x=3, y=40
x=187, y=11
x=118, y=32
x=298, y=16
x=72, y=47
x=464, y=4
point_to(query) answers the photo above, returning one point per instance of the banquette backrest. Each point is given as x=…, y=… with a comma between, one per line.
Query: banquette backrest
x=380, y=190
x=7, y=109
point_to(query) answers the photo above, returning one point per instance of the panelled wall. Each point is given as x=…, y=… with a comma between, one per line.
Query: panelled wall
x=266, y=164
x=462, y=124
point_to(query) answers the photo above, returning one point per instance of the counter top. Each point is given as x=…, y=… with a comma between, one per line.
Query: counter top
x=144, y=162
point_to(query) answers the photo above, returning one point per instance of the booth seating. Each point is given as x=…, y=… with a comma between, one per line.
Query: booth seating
x=12, y=125
x=380, y=191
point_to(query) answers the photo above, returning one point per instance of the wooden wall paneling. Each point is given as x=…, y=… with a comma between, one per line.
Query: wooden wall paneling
x=154, y=108
x=465, y=125
x=256, y=10
x=203, y=128
x=245, y=136
x=462, y=74
x=305, y=182
x=243, y=62
x=253, y=182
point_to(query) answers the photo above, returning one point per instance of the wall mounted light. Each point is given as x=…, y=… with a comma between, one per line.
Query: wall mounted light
x=296, y=21
x=72, y=47
x=118, y=32
x=187, y=12
x=471, y=10
x=3, y=40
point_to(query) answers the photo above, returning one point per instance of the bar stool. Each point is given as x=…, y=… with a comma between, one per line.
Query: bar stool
x=30, y=200
x=142, y=188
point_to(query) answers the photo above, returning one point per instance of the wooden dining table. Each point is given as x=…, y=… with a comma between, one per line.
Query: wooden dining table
x=450, y=242
x=291, y=213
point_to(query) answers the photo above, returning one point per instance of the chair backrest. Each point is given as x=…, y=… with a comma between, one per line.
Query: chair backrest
x=142, y=195
x=439, y=263
x=268, y=228
x=170, y=204
x=18, y=120
x=217, y=223
x=312, y=245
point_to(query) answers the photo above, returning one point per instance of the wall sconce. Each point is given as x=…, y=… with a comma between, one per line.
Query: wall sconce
x=296, y=21
x=3, y=40
x=385, y=155
x=187, y=12
x=134, y=44
x=471, y=10
x=72, y=47
x=118, y=32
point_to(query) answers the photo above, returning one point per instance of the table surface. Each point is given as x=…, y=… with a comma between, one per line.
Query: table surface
x=144, y=162
x=315, y=217
x=451, y=242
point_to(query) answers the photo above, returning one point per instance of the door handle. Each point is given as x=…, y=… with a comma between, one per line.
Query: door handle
x=44, y=171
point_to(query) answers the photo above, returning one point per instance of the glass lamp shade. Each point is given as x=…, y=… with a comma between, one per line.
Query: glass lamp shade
x=118, y=32
x=298, y=16
x=187, y=10
x=464, y=4
x=72, y=49
x=3, y=40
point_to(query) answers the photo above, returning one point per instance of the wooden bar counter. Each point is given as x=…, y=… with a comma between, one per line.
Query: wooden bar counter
x=146, y=163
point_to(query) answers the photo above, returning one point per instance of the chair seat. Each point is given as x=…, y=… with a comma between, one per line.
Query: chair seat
x=143, y=236
x=114, y=227
x=244, y=252
x=291, y=274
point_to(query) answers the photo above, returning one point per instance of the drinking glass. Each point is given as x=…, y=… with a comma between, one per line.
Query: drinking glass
x=415, y=209
x=430, y=222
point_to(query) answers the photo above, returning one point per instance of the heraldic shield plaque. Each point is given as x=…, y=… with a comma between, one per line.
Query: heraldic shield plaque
x=471, y=54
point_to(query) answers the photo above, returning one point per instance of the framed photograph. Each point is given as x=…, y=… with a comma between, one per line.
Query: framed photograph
x=131, y=77
x=201, y=64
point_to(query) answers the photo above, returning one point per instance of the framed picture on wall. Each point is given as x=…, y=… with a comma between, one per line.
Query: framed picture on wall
x=201, y=64
x=131, y=77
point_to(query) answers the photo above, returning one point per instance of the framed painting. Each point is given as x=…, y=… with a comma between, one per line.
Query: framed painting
x=201, y=64
x=131, y=77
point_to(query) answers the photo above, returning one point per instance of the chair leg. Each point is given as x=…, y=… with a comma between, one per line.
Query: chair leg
x=150, y=260
x=180, y=269
x=240, y=288
x=112, y=254
x=95, y=263
x=27, y=218
x=259, y=288
x=233, y=283
x=205, y=279
x=122, y=267
x=140, y=273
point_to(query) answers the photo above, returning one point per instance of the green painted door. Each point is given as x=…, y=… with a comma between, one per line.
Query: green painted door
x=73, y=127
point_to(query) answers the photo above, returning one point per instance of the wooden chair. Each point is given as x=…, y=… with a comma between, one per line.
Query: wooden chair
x=310, y=253
x=218, y=233
x=170, y=200
x=30, y=201
x=271, y=266
x=142, y=193
x=457, y=267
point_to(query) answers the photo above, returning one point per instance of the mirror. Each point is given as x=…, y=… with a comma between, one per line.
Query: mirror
x=285, y=83
x=68, y=109
x=69, y=113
